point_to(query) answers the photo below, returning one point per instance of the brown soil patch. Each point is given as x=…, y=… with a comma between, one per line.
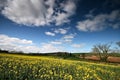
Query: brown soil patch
x=110, y=59
x=114, y=59
x=92, y=58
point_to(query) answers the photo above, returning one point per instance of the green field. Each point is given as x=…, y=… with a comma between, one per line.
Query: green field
x=24, y=67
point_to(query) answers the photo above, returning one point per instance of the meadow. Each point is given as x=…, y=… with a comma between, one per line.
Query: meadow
x=24, y=67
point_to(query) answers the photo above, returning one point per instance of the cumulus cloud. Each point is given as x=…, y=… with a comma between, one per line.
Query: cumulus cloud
x=100, y=22
x=63, y=40
x=57, y=31
x=4, y=39
x=78, y=45
x=16, y=44
x=2, y=3
x=69, y=7
x=27, y=12
x=68, y=38
x=56, y=42
x=26, y=46
x=39, y=12
x=47, y=47
x=50, y=33
x=61, y=31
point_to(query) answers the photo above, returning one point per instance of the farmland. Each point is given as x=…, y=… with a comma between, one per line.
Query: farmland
x=24, y=67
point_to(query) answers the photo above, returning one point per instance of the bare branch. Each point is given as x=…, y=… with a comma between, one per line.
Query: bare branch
x=102, y=50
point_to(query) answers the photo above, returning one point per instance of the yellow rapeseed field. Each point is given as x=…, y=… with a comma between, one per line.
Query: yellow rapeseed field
x=21, y=67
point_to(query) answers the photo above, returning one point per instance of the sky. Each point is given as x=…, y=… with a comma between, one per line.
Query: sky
x=43, y=26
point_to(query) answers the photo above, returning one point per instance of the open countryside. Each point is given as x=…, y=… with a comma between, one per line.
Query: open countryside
x=59, y=39
x=26, y=67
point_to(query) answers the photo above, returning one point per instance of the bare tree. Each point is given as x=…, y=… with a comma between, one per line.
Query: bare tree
x=118, y=49
x=118, y=43
x=102, y=50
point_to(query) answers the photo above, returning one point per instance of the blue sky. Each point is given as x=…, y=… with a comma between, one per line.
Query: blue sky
x=58, y=25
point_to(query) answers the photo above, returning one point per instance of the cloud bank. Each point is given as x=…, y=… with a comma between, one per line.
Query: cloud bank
x=26, y=46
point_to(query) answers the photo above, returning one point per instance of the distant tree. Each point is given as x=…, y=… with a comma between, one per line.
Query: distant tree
x=118, y=48
x=0, y=50
x=83, y=55
x=70, y=54
x=4, y=51
x=102, y=50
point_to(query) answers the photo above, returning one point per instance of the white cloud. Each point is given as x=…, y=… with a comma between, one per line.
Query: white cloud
x=63, y=40
x=61, y=18
x=100, y=22
x=4, y=39
x=68, y=38
x=69, y=7
x=50, y=48
x=56, y=42
x=27, y=49
x=16, y=44
x=77, y=45
x=2, y=3
x=57, y=31
x=27, y=12
x=61, y=31
x=38, y=12
x=26, y=46
x=50, y=33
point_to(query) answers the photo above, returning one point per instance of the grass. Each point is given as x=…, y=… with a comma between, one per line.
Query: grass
x=24, y=67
